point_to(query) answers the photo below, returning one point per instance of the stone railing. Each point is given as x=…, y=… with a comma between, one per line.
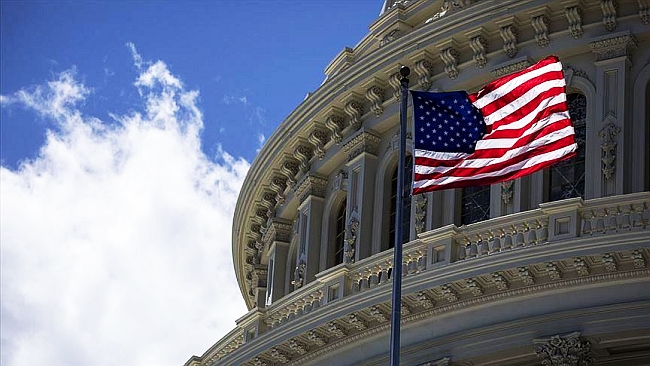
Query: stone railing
x=553, y=222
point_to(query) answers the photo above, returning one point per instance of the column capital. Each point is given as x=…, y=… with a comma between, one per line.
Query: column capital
x=613, y=45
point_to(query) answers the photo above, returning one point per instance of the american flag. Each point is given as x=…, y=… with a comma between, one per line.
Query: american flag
x=514, y=126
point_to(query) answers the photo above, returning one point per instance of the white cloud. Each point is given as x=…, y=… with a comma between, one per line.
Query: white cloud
x=260, y=140
x=115, y=240
x=231, y=99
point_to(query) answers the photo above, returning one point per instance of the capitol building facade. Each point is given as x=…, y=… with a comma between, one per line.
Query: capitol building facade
x=549, y=269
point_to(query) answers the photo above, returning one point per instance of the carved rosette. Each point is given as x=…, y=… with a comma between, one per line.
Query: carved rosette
x=378, y=314
x=316, y=338
x=335, y=124
x=553, y=271
x=540, y=24
x=354, y=110
x=405, y=309
x=450, y=58
x=311, y=185
x=358, y=322
x=608, y=148
x=610, y=263
x=424, y=300
x=573, y=16
x=582, y=269
x=609, y=14
x=448, y=293
x=279, y=356
x=478, y=44
x=318, y=139
x=509, y=36
x=375, y=94
x=474, y=287
x=336, y=329
x=303, y=153
x=621, y=44
x=567, y=350
x=526, y=277
x=363, y=142
x=637, y=259
x=420, y=213
x=499, y=281
x=424, y=69
x=297, y=347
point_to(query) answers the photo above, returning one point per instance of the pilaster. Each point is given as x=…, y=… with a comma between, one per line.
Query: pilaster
x=311, y=191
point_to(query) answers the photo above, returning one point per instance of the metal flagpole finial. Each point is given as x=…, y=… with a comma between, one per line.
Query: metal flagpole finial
x=405, y=72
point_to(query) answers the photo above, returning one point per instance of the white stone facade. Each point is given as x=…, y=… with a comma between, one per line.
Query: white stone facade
x=538, y=280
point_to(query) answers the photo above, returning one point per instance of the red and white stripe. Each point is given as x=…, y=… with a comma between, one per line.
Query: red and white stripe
x=528, y=129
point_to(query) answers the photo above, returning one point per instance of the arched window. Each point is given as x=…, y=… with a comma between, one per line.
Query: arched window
x=339, y=237
x=408, y=167
x=475, y=204
x=567, y=177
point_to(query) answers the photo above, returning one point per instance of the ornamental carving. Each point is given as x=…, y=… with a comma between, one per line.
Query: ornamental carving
x=388, y=38
x=335, y=124
x=448, y=293
x=424, y=69
x=318, y=139
x=450, y=58
x=297, y=347
x=526, y=277
x=637, y=259
x=316, y=338
x=363, y=142
x=340, y=182
x=448, y=7
x=478, y=44
x=474, y=287
x=378, y=314
x=278, y=230
x=299, y=275
x=358, y=322
x=303, y=153
x=354, y=110
x=311, y=185
x=515, y=66
x=424, y=300
x=507, y=191
x=375, y=94
x=540, y=24
x=567, y=350
x=336, y=329
x=553, y=271
x=420, y=201
x=610, y=263
x=582, y=269
x=290, y=169
x=499, y=281
x=621, y=44
x=279, y=355
x=609, y=14
x=396, y=85
x=573, y=16
x=445, y=361
x=509, y=36
x=608, y=147
x=351, y=237
x=278, y=185
x=644, y=14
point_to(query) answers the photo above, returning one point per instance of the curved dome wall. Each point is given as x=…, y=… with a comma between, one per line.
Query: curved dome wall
x=498, y=269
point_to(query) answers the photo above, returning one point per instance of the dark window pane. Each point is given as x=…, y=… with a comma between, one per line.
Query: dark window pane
x=339, y=239
x=567, y=177
x=475, y=204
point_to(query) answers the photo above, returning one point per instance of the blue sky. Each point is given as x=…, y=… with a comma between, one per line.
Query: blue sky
x=126, y=130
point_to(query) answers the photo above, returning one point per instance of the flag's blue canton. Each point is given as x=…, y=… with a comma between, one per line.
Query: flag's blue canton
x=446, y=122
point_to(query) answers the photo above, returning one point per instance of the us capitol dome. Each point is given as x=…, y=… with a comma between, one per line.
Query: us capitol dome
x=549, y=269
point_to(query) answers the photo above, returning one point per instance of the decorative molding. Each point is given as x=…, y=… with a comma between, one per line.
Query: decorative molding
x=526, y=277
x=610, y=263
x=424, y=300
x=278, y=185
x=316, y=338
x=354, y=109
x=450, y=55
x=423, y=67
x=362, y=142
x=449, y=6
x=389, y=37
x=609, y=8
x=499, y=281
x=297, y=347
x=553, y=271
x=445, y=361
x=378, y=314
x=637, y=259
x=573, y=16
x=644, y=14
x=318, y=138
x=474, y=287
x=357, y=321
x=336, y=329
x=448, y=293
x=304, y=154
x=375, y=94
x=396, y=85
x=510, y=67
x=335, y=124
x=278, y=230
x=340, y=182
x=611, y=46
x=566, y=350
x=540, y=24
x=508, y=32
x=279, y=356
x=290, y=169
x=311, y=185
x=478, y=44
x=582, y=269
x=299, y=275
x=351, y=236
x=608, y=146
x=420, y=202
x=507, y=191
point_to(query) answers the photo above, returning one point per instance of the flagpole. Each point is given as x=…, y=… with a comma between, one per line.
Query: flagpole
x=399, y=220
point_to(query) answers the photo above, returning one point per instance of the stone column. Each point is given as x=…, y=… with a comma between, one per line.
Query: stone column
x=361, y=149
x=277, y=237
x=311, y=192
x=606, y=147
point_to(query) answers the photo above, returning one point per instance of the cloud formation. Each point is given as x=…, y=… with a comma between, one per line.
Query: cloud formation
x=115, y=240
